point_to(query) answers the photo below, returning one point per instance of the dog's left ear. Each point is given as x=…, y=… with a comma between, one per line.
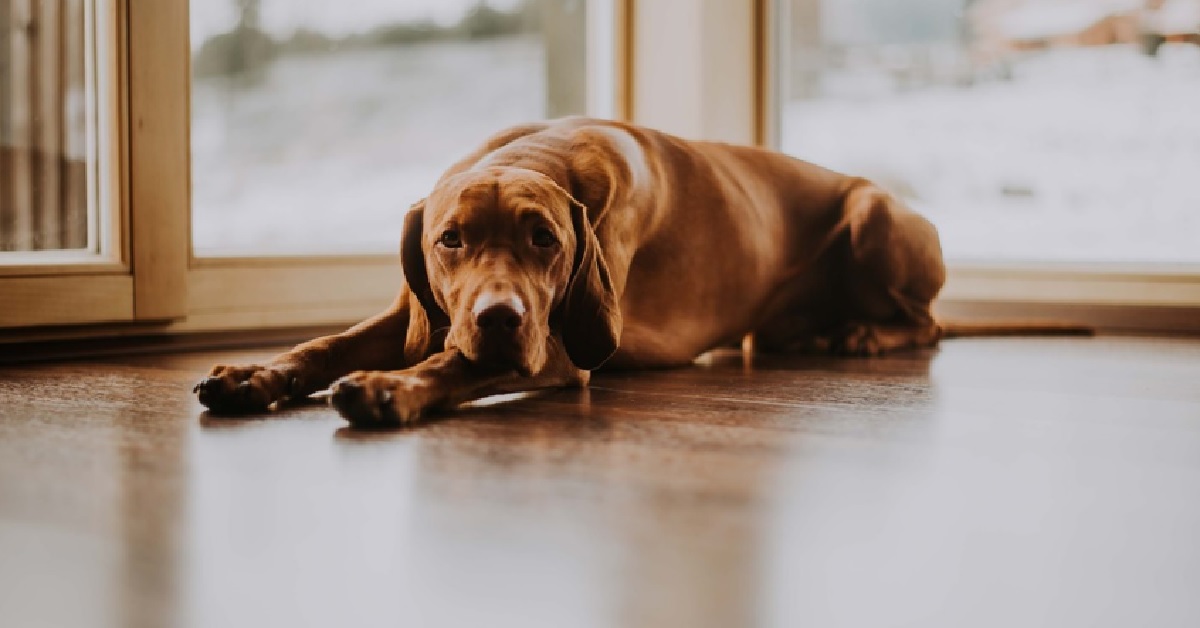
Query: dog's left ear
x=590, y=317
x=412, y=260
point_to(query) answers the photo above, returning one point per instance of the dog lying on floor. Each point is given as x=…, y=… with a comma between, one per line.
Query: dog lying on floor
x=559, y=247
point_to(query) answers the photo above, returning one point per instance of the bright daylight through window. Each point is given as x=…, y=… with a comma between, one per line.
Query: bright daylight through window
x=1027, y=130
x=316, y=124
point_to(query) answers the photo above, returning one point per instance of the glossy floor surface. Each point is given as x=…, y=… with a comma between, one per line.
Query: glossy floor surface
x=990, y=483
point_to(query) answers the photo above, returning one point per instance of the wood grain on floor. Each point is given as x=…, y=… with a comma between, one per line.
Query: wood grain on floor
x=990, y=483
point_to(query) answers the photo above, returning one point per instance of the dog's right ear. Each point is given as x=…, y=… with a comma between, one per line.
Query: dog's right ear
x=412, y=260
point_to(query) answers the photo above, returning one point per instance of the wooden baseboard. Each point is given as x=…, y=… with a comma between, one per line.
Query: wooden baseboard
x=28, y=346
x=155, y=343
x=1104, y=318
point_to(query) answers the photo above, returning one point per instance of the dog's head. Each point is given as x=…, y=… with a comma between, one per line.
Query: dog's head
x=509, y=259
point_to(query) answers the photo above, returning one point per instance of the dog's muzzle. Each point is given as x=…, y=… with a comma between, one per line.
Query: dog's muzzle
x=500, y=321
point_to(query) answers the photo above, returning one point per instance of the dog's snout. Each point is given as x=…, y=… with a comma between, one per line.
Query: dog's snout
x=499, y=313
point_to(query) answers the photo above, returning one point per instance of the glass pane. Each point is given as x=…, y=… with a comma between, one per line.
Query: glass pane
x=316, y=124
x=1029, y=130
x=44, y=126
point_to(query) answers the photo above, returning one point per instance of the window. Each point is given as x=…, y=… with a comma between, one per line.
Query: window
x=1028, y=131
x=316, y=124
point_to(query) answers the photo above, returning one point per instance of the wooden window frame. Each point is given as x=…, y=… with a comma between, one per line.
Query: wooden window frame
x=232, y=293
x=155, y=284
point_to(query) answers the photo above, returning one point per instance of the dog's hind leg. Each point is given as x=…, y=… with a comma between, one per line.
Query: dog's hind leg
x=894, y=271
x=876, y=286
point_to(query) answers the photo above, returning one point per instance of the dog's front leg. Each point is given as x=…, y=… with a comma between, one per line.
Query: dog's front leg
x=377, y=343
x=443, y=381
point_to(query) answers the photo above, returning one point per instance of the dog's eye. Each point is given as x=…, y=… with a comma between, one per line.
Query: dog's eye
x=544, y=237
x=450, y=239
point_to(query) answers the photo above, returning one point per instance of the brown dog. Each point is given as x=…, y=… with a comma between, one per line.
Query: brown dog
x=556, y=248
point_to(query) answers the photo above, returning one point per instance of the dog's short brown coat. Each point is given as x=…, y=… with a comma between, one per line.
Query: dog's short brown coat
x=556, y=248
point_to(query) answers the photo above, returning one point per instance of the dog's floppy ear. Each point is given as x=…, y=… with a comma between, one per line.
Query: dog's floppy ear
x=412, y=259
x=590, y=317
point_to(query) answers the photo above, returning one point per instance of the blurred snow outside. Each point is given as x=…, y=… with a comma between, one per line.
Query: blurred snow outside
x=1077, y=155
x=326, y=153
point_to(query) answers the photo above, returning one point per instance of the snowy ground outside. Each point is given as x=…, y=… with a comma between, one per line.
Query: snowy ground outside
x=1085, y=155
x=326, y=154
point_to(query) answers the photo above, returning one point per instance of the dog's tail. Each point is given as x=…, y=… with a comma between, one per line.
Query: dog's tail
x=957, y=329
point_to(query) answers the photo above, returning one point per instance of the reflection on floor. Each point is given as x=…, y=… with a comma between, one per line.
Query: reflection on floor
x=991, y=483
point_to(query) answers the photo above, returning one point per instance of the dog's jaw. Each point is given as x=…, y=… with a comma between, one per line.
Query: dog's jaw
x=527, y=357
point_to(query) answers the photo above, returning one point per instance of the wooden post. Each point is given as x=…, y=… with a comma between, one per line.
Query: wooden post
x=696, y=63
x=160, y=176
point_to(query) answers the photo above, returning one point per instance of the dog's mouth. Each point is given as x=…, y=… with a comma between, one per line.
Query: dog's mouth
x=500, y=356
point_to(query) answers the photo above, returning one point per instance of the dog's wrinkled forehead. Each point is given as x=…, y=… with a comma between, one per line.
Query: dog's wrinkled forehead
x=493, y=190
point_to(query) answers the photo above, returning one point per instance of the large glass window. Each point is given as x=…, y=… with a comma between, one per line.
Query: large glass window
x=1027, y=130
x=47, y=128
x=316, y=124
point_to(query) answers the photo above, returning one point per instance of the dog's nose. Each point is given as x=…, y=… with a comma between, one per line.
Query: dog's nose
x=498, y=313
x=498, y=317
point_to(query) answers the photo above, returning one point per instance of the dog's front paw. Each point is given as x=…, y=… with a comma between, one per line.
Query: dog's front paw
x=366, y=398
x=250, y=388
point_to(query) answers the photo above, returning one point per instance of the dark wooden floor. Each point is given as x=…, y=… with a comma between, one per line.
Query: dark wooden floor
x=992, y=483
